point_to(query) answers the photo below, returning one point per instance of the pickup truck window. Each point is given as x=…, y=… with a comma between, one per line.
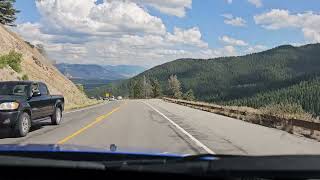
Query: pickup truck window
x=43, y=89
x=13, y=89
x=34, y=87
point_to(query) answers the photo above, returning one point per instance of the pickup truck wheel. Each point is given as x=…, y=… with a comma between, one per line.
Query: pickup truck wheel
x=23, y=125
x=56, y=117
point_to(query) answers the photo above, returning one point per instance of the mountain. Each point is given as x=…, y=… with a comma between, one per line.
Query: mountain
x=284, y=74
x=96, y=72
x=127, y=71
x=35, y=66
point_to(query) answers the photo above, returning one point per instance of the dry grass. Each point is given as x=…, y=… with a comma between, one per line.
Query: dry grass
x=287, y=111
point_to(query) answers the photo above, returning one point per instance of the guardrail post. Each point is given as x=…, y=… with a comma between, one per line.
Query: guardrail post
x=289, y=125
x=311, y=132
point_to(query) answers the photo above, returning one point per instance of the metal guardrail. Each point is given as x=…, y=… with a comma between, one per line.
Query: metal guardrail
x=262, y=119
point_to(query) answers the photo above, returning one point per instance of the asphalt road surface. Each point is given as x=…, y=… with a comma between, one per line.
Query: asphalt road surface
x=156, y=126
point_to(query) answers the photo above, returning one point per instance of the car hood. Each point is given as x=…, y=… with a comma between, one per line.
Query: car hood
x=77, y=148
x=5, y=98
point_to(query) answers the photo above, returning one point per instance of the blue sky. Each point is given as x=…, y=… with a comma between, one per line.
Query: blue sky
x=206, y=16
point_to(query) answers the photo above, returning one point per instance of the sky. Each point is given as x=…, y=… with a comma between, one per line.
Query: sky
x=152, y=32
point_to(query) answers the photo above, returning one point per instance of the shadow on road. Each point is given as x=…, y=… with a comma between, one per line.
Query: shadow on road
x=7, y=133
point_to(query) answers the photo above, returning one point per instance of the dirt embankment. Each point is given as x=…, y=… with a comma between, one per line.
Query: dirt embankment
x=39, y=68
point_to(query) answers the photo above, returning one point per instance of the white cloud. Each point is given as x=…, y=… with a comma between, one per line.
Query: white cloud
x=32, y=31
x=148, y=49
x=231, y=41
x=255, y=49
x=257, y=3
x=229, y=1
x=190, y=36
x=115, y=32
x=297, y=44
x=171, y=7
x=234, y=21
x=308, y=22
x=186, y=37
x=109, y=33
x=312, y=35
x=63, y=16
x=227, y=51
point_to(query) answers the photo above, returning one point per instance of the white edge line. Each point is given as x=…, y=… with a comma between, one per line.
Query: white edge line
x=198, y=143
x=86, y=108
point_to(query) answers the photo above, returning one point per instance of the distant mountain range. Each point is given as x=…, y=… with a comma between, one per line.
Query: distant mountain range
x=96, y=72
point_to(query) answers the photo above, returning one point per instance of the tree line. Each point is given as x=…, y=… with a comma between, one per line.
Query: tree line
x=151, y=88
x=305, y=93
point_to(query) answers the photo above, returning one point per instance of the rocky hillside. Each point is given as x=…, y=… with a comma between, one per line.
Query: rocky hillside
x=38, y=68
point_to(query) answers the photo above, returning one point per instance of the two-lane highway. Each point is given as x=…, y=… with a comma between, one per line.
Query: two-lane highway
x=158, y=126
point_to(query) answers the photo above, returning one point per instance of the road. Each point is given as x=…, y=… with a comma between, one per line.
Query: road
x=162, y=127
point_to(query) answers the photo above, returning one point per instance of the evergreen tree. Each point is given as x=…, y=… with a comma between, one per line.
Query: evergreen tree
x=175, y=86
x=147, y=88
x=189, y=96
x=131, y=85
x=138, y=89
x=7, y=12
x=156, y=88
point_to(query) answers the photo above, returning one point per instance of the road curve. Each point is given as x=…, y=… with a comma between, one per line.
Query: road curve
x=158, y=126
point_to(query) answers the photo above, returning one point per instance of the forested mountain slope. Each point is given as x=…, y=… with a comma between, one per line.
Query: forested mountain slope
x=254, y=80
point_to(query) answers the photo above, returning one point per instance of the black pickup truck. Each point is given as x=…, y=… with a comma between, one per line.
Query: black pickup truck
x=25, y=102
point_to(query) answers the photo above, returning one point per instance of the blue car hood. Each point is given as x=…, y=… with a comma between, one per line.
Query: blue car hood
x=76, y=148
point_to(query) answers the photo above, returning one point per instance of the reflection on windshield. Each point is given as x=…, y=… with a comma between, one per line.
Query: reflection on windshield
x=13, y=89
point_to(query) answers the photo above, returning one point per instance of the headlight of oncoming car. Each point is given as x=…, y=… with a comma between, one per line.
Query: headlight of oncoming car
x=9, y=106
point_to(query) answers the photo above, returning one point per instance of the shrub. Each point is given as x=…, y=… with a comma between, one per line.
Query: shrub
x=285, y=110
x=80, y=87
x=25, y=77
x=13, y=59
x=3, y=62
x=31, y=45
x=189, y=96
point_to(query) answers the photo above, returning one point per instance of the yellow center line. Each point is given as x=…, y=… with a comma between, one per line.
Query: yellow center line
x=96, y=121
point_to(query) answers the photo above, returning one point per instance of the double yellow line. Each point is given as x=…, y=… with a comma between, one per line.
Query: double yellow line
x=96, y=121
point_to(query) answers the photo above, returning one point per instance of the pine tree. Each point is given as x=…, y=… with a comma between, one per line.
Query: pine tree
x=156, y=88
x=7, y=12
x=147, y=87
x=189, y=96
x=138, y=89
x=175, y=86
x=131, y=85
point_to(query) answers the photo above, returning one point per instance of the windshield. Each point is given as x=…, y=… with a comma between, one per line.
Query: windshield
x=16, y=89
x=184, y=77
